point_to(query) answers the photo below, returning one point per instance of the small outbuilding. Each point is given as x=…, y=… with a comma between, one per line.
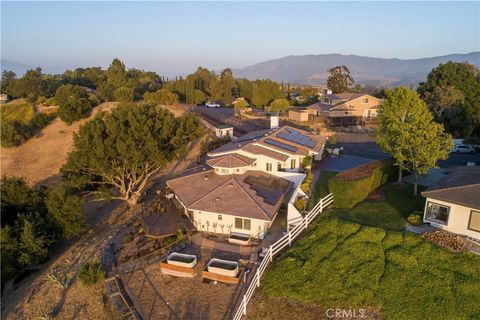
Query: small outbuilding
x=298, y=115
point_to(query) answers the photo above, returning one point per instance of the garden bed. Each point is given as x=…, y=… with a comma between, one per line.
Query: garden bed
x=222, y=270
x=240, y=239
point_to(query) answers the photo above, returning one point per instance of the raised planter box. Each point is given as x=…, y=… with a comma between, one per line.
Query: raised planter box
x=179, y=264
x=222, y=270
x=240, y=239
x=181, y=259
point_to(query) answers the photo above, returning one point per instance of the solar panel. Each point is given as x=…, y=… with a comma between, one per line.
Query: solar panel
x=297, y=137
x=281, y=145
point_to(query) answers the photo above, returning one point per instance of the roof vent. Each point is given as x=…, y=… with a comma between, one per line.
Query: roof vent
x=230, y=185
x=206, y=178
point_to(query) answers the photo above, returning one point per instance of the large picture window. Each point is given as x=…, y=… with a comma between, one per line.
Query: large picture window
x=245, y=224
x=437, y=213
x=474, y=221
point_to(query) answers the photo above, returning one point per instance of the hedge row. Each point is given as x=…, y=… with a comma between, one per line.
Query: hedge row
x=354, y=185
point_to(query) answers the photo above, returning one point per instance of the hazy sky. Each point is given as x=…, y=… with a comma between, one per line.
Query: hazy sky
x=175, y=38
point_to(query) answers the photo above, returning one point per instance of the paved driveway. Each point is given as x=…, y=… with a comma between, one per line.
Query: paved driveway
x=369, y=150
x=459, y=160
x=342, y=163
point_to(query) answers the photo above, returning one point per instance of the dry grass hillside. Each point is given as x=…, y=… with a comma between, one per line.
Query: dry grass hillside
x=39, y=159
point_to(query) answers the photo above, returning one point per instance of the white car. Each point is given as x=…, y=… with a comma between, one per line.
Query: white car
x=463, y=149
x=212, y=105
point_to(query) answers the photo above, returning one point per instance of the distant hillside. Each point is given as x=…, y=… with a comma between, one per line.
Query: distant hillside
x=16, y=67
x=312, y=69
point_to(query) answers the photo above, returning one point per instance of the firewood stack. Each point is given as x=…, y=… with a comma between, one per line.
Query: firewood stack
x=446, y=239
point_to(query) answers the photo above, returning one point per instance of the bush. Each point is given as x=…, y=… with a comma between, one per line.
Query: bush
x=306, y=161
x=300, y=204
x=14, y=133
x=415, y=219
x=305, y=186
x=91, y=273
x=40, y=120
x=354, y=185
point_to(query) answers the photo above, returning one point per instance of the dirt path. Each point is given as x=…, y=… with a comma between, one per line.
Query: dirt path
x=36, y=295
x=39, y=159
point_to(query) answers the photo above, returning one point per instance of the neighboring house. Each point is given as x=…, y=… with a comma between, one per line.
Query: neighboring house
x=223, y=130
x=346, y=108
x=3, y=98
x=251, y=177
x=299, y=115
x=453, y=204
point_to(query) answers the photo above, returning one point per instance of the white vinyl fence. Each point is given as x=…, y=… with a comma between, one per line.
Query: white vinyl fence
x=278, y=246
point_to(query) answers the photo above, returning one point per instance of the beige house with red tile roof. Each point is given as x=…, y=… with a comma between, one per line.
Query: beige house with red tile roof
x=250, y=178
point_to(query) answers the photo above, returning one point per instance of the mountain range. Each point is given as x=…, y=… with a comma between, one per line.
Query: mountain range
x=313, y=69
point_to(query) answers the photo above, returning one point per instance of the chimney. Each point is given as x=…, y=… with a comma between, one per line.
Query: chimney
x=329, y=91
x=273, y=122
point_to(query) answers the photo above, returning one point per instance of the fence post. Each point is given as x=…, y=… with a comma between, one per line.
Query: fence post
x=289, y=239
x=271, y=253
x=306, y=222
x=244, y=304
x=321, y=205
x=258, y=279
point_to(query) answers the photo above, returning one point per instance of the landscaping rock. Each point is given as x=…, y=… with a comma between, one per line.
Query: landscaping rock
x=447, y=240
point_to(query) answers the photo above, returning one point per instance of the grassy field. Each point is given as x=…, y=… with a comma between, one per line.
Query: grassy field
x=19, y=110
x=344, y=264
x=388, y=213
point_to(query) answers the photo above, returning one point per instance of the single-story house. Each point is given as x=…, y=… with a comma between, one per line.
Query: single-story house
x=244, y=203
x=453, y=204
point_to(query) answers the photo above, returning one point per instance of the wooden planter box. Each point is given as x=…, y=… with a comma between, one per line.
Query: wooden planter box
x=220, y=276
x=176, y=270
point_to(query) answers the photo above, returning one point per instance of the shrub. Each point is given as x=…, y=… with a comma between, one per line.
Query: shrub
x=40, y=120
x=415, y=219
x=305, y=186
x=91, y=273
x=14, y=133
x=300, y=204
x=354, y=185
x=306, y=161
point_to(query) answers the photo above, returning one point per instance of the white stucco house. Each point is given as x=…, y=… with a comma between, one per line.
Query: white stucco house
x=247, y=180
x=453, y=204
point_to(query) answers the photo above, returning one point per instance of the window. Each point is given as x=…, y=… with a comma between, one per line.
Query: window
x=219, y=217
x=237, y=170
x=293, y=163
x=238, y=223
x=254, y=164
x=269, y=166
x=224, y=170
x=364, y=100
x=474, y=221
x=437, y=213
x=245, y=224
x=346, y=112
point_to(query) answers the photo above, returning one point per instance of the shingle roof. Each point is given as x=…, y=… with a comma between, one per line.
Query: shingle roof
x=461, y=186
x=345, y=96
x=255, y=194
x=255, y=149
x=232, y=160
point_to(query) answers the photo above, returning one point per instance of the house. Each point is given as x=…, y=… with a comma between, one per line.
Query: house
x=3, y=98
x=346, y=108
x=247, y=181
x=299, y=115
x=453, y=204
x=223, y=130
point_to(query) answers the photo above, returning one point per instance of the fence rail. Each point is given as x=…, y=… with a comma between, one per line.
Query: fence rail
x=278, y=246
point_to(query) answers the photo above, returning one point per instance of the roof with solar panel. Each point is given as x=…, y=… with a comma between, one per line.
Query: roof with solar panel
x=275, y=143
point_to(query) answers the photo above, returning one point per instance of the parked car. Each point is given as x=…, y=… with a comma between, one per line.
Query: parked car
x=212, y=105
x=463, y=149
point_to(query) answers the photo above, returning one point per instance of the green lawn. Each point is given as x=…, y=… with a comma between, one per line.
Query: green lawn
x=389, y=213
x=344, y=264
x=17, y=110
x=320, y=189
